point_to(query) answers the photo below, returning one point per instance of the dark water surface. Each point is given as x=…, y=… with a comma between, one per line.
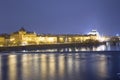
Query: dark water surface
x=52, y=66
x=61, y=66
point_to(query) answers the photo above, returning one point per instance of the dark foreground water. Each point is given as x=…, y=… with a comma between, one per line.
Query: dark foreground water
x=86, y=65
x=57, y=66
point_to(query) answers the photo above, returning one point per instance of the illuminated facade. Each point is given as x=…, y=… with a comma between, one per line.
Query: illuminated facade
x=46, y=39
x=23, y=37
x=2, y=41
x=94, y=32
x=75, y=38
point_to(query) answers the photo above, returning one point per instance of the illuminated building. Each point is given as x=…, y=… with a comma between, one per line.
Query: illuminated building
x=73, y=38
x=98, y=36
x=46, y=39
x=23, y=37
x=2, y=41
x=93, y=32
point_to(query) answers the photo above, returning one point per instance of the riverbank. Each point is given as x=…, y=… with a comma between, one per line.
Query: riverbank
x=48, y=46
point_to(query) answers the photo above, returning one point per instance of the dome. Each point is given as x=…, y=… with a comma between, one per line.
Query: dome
x=93, y=32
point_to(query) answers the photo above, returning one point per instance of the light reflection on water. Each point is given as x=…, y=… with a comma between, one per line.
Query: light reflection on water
x=0, y=68
x=57, y=66
x=76, y=49
x=12, y=67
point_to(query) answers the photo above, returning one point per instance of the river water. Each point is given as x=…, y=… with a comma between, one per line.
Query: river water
x=61, y=66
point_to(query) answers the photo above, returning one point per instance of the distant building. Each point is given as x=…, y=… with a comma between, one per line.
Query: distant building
x=46, y=39
x=2, y=41
x=73, y=38
x=23, y=37
x=94, y=32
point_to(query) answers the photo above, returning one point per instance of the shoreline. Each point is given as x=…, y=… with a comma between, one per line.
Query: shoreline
x=49, y=46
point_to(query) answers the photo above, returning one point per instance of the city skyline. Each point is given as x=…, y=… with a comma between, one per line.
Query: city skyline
x=61, y=17
x=45, y=33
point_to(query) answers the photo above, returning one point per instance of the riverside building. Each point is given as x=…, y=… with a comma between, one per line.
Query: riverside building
x=23, y=37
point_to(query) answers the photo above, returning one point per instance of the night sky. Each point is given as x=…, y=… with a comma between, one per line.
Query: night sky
x=60, y=16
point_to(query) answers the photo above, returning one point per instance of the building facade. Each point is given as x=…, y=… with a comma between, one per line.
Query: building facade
x=2, y=41
x=23, y=37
